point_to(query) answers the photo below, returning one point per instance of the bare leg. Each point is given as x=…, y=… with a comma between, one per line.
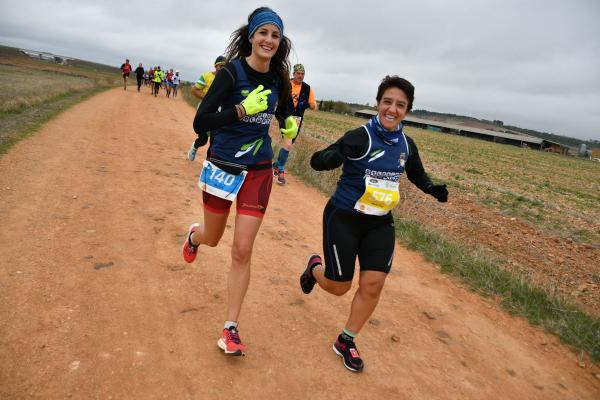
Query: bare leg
x=287, y=144
x=333, y=287
x=211, y=231
x=365, y=299
x=246, y=229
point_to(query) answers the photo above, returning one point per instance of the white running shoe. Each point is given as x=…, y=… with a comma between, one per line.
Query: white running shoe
x=191, y=155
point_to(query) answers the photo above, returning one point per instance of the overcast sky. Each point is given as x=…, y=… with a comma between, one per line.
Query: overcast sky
x=533, y=64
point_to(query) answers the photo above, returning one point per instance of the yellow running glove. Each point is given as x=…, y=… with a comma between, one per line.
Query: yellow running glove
x=291, y=128
x=256, y=101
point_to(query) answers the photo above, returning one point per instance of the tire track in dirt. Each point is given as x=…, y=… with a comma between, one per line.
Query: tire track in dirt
x=96, y=302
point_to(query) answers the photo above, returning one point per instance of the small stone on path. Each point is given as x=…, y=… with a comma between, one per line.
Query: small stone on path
x=444, y=337
x=430, y=315
x=100, y=265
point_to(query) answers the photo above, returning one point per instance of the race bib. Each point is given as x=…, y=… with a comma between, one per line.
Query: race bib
x=219, y=183
x=379, y=198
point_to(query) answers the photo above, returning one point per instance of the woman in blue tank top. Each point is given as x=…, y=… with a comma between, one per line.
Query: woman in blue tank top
x=237, y=110
x=357, y=221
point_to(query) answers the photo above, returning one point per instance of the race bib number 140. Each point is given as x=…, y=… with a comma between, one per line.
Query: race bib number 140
x=219, y=183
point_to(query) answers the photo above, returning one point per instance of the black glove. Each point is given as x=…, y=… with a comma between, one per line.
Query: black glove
x=439, y=192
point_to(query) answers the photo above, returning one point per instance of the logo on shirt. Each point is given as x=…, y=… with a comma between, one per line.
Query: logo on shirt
x=245, y=92
x=246, y=148
x=376, y=154
x=402, y=160
x=260, y=118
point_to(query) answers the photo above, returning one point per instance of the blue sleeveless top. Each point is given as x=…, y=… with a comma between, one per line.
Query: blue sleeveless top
x=246, y=142
x=385, y=158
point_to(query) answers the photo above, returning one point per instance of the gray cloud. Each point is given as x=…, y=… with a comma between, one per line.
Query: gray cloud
x=529, y=63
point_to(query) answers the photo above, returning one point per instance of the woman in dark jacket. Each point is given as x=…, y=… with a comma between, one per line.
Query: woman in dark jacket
x=357, y=221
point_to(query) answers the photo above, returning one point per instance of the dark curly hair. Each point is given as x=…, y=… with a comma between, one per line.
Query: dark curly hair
x=240, y=46
x=400, y=83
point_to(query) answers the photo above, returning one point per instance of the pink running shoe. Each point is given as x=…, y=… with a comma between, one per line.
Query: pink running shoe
x=349, y=353
x=307, y=279
x=190, y=251
x=231, y=343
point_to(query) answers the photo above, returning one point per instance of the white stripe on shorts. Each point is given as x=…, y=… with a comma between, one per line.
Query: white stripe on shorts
x=337, y=260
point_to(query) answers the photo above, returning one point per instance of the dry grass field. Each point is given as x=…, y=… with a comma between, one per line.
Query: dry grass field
x=30, y=87
x=36, y=90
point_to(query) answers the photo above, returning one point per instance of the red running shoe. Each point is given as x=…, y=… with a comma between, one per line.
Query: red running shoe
x=231, y=343
x=190, y=251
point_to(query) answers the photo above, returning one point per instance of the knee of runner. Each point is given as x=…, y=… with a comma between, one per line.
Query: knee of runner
x=241, y=253
x=371, y=289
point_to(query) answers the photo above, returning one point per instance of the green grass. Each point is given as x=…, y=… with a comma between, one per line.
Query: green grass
x=475, y=266
x=484, y=275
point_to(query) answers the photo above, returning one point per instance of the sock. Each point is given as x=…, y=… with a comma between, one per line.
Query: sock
x=312, y=267
x=282, y=158
x=348, y=336
x=230, y=324
x=191, y=242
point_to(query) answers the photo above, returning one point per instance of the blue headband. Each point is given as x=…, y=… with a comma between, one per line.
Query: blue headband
x=262, y=18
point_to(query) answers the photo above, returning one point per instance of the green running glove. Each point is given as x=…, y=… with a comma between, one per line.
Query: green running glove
x=256, y=101
x=291, y=128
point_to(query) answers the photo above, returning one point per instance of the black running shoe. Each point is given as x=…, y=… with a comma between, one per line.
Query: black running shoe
x=349, y=354
x=307, y=279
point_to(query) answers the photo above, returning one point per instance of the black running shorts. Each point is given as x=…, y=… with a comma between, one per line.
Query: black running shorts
x=348, y=234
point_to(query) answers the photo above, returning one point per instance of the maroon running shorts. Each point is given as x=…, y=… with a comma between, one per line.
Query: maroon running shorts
x=252, y=199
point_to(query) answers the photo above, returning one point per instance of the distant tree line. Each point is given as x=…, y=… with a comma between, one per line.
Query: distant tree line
x=335, y=106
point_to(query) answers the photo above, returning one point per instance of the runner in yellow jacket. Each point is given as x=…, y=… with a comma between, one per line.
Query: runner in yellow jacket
x=159, y=76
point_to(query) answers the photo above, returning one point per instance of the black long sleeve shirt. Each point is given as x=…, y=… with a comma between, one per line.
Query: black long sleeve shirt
x=209, y=118
x=355, y=143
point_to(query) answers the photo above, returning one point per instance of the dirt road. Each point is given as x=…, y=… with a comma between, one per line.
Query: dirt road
x=96, y=301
